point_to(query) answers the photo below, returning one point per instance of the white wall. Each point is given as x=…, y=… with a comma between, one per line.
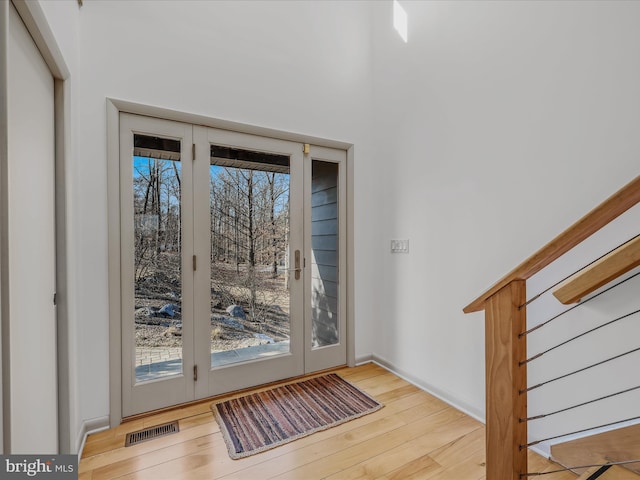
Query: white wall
x=295, y=66
x=499, y=125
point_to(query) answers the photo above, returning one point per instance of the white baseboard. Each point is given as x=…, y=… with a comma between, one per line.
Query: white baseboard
x=88, y=427
x=364, y=359
x=430, y=389
x=543, y=449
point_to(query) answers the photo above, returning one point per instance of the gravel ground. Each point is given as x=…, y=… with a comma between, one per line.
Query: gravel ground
x=226, y=333
x=158, y=315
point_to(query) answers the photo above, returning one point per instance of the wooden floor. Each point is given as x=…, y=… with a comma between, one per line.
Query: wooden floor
x=415, y=436
x=617, y=445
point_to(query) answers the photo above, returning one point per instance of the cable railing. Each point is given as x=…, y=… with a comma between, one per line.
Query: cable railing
x=590, y=332
x=505, y=307
x=593, y=297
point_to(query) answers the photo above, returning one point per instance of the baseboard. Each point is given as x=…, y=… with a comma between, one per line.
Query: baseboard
x=430, y=389
x=364, y=359
x=542, y=449
x=88, y=427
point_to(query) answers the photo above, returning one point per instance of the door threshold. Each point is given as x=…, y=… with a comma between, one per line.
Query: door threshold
x=215, y=398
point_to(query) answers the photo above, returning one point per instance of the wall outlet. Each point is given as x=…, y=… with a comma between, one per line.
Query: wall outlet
x=400, y=246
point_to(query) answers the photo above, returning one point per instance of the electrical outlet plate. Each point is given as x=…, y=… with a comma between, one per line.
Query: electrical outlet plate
x=400, y=246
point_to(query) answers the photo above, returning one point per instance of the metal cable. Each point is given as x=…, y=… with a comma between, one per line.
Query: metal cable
x=577, y=305
x=536, y=474
x=577, y=431
x=577, y=336
x=578, y=371
x=534, y=298
x=538, y=417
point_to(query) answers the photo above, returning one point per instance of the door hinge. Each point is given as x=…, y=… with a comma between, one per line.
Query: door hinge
x=195, y=373
x=194, y=263
x=306, y=149
x=55, y=299
x=193, y=151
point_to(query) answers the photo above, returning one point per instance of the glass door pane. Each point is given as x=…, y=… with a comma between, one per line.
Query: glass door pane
x=249, y=254
x=326, y=234
x=157, y=191
x=324, y=254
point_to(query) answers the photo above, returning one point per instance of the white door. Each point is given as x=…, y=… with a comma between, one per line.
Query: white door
x=249, y=203
x=156, y=225
x=31, y=245
x=232, y=264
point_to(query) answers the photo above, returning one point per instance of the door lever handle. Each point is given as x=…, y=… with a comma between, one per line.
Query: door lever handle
x=297, y=265
x=297, y=270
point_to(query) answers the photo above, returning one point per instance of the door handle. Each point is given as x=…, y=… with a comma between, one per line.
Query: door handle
x=297, y=270
x=296, y=262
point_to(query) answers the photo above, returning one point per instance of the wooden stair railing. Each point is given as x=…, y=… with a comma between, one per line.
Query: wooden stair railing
x=506, y=375
x=506, y=378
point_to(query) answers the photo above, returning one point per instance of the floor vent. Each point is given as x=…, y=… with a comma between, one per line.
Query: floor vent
x=150, y=433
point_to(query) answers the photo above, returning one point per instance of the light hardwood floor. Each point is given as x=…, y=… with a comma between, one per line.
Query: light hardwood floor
x=415, y=436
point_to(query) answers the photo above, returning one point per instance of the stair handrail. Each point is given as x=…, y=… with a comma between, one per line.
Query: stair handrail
x=504, y=305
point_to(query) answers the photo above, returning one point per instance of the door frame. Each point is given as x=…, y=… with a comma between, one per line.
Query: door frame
x=38, y=27
x=114, y=108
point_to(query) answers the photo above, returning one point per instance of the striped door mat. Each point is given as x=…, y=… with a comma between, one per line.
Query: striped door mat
x=264, y=420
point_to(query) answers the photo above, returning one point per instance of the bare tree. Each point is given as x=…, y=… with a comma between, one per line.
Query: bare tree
x=158, y=214
x=248, y=225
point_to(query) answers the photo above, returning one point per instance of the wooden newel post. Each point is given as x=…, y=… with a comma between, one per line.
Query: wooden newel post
x=505, y=381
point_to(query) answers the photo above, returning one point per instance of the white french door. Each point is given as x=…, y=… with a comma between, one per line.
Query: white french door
x=249, y=216
x=232, y=263
x=156, y=224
